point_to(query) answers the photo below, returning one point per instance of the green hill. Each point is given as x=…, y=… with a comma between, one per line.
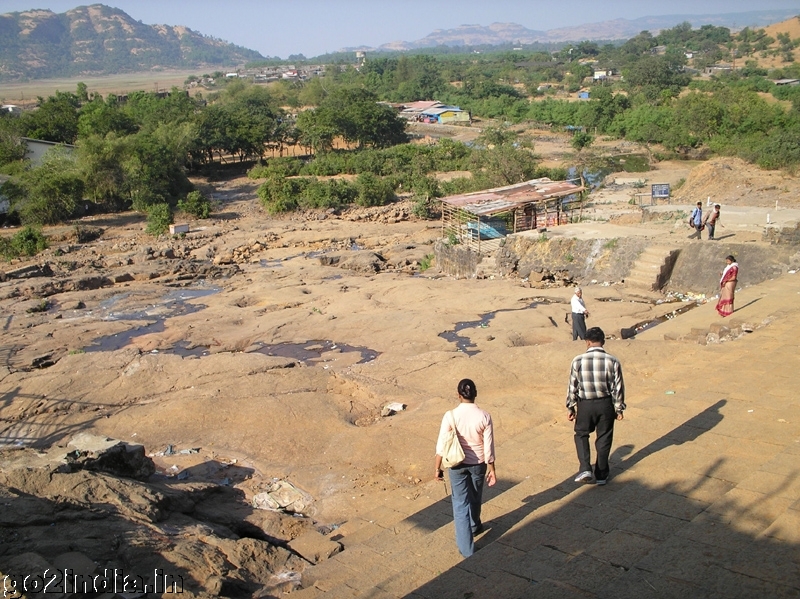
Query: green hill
x=99, y=40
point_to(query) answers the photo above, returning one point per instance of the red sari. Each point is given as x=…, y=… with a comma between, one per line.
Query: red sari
x=727, y=290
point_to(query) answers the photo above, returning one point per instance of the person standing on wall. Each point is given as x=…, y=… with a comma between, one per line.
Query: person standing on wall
x=696, y=220
x=711, y=221
x=579, y=314
x=476, y=435
x=595, y=399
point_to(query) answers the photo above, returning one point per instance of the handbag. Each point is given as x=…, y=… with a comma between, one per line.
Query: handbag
x=453, y=453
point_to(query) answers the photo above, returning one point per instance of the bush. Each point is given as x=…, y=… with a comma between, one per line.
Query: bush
x=373, y=191
x=159, y=218
x=195, y=204
x=286, y=166
x=26, y=242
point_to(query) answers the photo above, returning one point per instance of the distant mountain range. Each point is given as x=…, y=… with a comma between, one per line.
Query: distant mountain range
x=617, y=29
x=99, y=40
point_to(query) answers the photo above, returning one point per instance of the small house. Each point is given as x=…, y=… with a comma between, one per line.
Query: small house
x=479, y=220
x=37, y=148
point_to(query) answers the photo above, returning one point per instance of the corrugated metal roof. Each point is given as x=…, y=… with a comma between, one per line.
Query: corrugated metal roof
x=503, y=199
x=436, y=110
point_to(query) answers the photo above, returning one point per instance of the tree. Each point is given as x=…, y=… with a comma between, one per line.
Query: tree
x=581, y=140
x=52, y=191
x=354, y=115
x=55, y=119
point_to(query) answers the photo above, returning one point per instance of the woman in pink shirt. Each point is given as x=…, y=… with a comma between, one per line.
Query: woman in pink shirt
x=475, y=434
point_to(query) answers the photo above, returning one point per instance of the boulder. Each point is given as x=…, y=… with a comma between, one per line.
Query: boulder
x=364, y=261
x=93, y=452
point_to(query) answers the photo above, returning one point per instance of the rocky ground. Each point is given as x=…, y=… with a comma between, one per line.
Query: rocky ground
x=257, y=355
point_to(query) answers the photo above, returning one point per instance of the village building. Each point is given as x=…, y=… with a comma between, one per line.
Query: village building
x=477, y=222
x=37, y=148
x=433, y=112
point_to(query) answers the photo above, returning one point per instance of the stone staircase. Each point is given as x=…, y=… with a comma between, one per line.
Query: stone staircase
x=652, y=269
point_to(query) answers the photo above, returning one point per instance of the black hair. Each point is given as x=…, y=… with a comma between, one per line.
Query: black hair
x=595, y=335
x=731, y=258
x=467, y=390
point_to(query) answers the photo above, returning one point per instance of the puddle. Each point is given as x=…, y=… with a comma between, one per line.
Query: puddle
x=274, y=263
x=311, y=352
x=123, y=339
x=174, y=303
x=465, y=344
x=185, y=350
x=649, y=324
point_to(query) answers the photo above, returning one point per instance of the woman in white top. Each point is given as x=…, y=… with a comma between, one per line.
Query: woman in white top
x=476, y=436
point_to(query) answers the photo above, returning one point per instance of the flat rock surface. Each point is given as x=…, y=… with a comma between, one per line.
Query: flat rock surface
x=277, y=367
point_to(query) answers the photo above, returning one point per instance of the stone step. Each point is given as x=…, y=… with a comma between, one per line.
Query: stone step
x=640, y=281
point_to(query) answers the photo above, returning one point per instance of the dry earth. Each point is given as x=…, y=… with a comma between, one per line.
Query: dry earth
x=271, y=346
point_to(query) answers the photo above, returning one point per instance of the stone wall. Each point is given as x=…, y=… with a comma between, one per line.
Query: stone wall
x=456, y=260
x=583, y=259
x=788, y=235
x=699, y=265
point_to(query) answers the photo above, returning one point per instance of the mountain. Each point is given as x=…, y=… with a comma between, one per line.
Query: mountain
x=100, y=40
x=617, y=29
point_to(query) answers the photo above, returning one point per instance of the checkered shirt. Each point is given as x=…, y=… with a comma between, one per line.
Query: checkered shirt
x=595, y=375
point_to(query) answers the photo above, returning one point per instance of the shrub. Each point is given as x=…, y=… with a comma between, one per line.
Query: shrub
x=159, y=218
x=426, y=262
x=26, y=242
x=195, y=204
x=285, y=166
x=373, y=191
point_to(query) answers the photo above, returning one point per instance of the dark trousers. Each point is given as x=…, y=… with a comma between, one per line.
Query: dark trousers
x=578, y=326
x=599, y=415
x=710, y=228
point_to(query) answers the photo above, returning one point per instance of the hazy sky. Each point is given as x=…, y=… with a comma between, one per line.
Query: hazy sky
x=312, y=27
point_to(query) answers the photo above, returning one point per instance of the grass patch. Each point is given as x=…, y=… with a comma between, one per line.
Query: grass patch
x=42, y=306
x=426, y=262
x=610, y=244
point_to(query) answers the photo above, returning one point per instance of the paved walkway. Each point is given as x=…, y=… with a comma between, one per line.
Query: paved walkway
x=703, y=500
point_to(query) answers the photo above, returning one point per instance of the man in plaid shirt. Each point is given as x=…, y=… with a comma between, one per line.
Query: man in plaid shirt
x=595, y=399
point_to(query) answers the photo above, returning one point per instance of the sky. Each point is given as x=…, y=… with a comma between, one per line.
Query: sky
x=313, y=27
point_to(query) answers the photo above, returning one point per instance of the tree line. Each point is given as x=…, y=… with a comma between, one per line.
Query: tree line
x=136, y=151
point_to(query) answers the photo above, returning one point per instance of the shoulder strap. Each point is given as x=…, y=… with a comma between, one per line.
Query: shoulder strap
x=453, y=420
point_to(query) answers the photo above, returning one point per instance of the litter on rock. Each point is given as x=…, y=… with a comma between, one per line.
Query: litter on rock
x=390, y=409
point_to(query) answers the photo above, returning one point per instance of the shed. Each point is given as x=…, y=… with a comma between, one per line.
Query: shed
x=444, y=114
x=37, y=148
x=481, y=219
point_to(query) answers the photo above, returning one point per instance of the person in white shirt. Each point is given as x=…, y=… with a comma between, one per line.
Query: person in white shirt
x=579, y=314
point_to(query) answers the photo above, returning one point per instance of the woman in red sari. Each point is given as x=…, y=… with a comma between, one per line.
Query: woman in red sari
x=727, y=286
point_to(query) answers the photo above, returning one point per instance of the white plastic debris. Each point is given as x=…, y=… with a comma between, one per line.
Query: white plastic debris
x=392, y=408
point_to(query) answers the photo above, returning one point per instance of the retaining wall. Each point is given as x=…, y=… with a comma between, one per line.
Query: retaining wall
x=699, y=265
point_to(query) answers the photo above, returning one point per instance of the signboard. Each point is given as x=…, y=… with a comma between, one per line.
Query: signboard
x=659, y=190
